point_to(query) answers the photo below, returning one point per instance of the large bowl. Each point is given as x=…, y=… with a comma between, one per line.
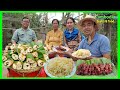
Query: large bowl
x=50, y=75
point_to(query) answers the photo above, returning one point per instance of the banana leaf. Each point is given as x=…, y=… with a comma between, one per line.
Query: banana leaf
x=105, y=60
x=114, y=74
x=79, y=62
x=29, y=55
x=96, y=60
x=88, y=62
x=32, y=44
x=40, y=55
x=9, y=55
x=18, y=51
x=39, y=44
x=41, y=50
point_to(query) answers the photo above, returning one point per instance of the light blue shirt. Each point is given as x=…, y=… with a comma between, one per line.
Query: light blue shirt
x=100, y=45
x=24, y=36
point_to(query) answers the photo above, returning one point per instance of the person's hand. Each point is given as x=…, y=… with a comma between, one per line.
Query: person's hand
x=87, y=58
x=13, y=42
x=48, y=47
x=66, y=53
x=66, y=49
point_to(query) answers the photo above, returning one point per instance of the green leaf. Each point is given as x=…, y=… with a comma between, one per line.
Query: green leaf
x=9, y=55
x=29, y=55
x=42, y=51
x=18, y=50
x=40, y=55
x=40, y=44
x=93, y=60
x=96, y=60
x=79, y=62
x=43, y=60
x=36, y=58
x=99, y=60
x=41, y=48
x=105, y=60
x=32, y=44
x=88, y=62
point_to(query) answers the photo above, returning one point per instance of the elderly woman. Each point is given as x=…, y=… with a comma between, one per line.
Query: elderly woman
x=54, y=37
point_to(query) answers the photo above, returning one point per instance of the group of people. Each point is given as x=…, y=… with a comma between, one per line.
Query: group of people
x=71, y=37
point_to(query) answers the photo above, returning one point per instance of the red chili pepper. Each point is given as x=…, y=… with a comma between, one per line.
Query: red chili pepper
x=42, y=73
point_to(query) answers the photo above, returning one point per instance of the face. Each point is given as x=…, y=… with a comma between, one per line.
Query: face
x=55, y=24
x=88, y=27
x=25, y=23
x=69, y=24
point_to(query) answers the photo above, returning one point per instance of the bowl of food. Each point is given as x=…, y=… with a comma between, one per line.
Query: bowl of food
x=81, y=53
x=60, y=67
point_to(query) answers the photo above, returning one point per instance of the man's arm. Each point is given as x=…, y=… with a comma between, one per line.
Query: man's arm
x=107, y=56
x=105, y=48
x=13, y=42
x=14, y=39
x=35, y=40
x=34, y=37
x=69, y=54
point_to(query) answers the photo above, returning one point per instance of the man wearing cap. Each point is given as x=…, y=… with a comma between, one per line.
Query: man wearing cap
x=97, y=44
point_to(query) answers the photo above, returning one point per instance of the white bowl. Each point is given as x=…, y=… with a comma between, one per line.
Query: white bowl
x=50, y=75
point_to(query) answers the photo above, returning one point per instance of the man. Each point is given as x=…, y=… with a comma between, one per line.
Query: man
x=24, y=34
x=97, y=44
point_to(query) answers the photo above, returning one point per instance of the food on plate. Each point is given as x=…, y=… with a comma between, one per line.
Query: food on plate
x=81, y=53
x=94, y=66
x=60, y=66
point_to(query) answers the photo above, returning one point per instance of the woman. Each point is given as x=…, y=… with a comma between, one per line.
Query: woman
x=72, y=35
x=54, y=37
